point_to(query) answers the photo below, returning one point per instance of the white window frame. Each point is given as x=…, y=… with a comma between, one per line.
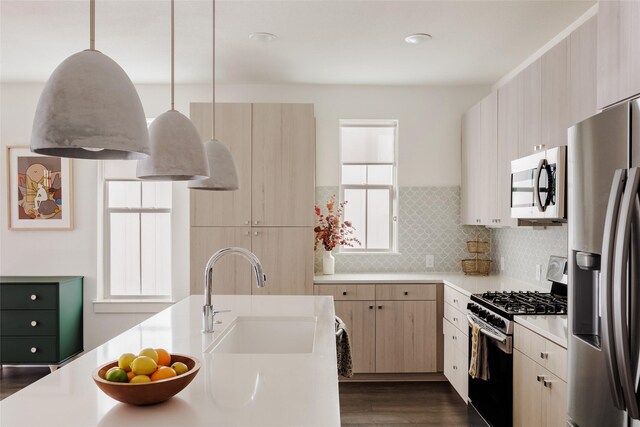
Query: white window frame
x=107, y=241
x=393, y=188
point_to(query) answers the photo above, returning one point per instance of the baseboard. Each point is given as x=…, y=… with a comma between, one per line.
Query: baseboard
x=434, y=376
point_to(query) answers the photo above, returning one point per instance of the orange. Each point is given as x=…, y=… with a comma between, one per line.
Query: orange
x=130, y=374
x=164, y=358
x=163, y=373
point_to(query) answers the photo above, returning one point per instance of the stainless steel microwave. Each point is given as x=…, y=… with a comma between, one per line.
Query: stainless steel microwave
x=538, y=186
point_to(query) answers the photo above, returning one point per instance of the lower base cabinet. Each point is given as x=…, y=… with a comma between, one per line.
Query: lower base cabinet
x=539, y=397
x=456, y=359
x=360, y=316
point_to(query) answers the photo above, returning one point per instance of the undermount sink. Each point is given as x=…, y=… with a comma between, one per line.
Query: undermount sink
x=267, y=335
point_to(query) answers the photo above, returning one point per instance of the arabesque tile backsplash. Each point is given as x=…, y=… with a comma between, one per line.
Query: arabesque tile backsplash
x=429, y=223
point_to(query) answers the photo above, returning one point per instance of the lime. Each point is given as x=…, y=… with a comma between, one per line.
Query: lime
x=150, y=353
x=116, y=375
x=143, y=365
x=140, y=379
x=125, y=361
x=180, y=368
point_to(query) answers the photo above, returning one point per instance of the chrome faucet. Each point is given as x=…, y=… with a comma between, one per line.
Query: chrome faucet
x=208, y=310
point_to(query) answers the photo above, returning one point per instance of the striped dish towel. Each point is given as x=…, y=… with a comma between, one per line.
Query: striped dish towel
x=479, y=363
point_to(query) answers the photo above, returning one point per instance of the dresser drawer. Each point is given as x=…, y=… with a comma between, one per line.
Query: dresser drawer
x=28, y=297
x=456, y=299
x=457, y=318
x=347, y=292
x=399, y=292
x=28, y=322
x=28, y=350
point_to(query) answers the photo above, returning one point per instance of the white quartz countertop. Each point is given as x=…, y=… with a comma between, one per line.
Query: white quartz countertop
x=466, y=284
x=553, y=328
x=229, y=390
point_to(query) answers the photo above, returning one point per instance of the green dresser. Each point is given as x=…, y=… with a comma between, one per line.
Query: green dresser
x=40, y=319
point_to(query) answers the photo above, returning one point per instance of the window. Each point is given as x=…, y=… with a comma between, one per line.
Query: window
x=368, y=182
x=138, y=238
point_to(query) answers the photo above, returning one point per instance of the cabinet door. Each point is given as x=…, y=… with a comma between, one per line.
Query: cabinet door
x=471, y=146
x=527, y=391
x=233, y=128
x=508, y=137
x=286, y=254
x=582, y=72
x=284, y=161
x=406, y=336
x=554, y=97
x=618, y=51
x=232, y=274
x=530, y=108
x=360, y=318
x=488, y=183
x=554, y=401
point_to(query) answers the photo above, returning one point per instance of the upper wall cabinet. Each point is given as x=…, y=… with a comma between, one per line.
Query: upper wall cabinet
x=233, y=127
x=582, y=72
x=274, y=149
x=529, y=82
x=554, y=95
x=618, y=51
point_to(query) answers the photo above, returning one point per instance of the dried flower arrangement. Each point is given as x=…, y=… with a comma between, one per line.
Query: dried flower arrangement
x=331, y=231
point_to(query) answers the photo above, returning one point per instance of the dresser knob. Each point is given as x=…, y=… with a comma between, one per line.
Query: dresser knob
x=33, y=349
x=34, y=297
x=34, y=323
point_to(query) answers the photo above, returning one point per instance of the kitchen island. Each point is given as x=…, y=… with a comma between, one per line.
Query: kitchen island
x=230, y=390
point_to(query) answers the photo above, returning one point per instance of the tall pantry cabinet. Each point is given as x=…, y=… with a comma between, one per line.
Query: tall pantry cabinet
x=272, y=212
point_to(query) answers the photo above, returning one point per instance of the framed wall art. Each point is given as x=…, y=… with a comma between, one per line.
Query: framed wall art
x=40, y=191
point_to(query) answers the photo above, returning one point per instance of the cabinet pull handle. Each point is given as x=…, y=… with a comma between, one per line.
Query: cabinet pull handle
x=255, y=233
x=544, y=355
x=379, y=307
x=455, y=319
x=455, y=368
x=370, y=307
x=344, y=292
x=455, y=300
x=246, y=233
x=454, y=337
x=256, y=222
x=406, y=293
x=546, y=383
x=539, y=378
x=34, y=323
x=33, y=349
x=34, y=297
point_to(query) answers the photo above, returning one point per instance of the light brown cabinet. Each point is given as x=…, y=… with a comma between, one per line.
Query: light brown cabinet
x=395, y=332
x=554, y=95
x=582, y=71
x=529, y=82
x=618, y=51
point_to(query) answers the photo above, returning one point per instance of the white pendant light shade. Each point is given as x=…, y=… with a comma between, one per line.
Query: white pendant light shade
x=89, y=109
x=223, y=173
x=177, y=153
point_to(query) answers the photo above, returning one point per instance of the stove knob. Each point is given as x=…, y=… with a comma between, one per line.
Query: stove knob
x=501, y=323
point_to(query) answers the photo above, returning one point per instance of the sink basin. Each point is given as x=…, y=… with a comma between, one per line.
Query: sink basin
x=267, y=335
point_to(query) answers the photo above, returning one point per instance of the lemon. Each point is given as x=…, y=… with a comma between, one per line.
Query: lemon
x=150, y=353
x=116, y=375
x=140, y=379
x=125, y=361
x=180, y=368
x=143, y=365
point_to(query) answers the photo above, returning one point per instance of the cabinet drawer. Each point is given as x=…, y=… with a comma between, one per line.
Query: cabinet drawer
x=28, y=322
x=455, y=362
x=547, y=354
x=457, y=318
x=457, y=299
x=28, y=296
x=347, y=292
x=426, y=292
x=28, y=350
x=453, y=336
x=556, y=360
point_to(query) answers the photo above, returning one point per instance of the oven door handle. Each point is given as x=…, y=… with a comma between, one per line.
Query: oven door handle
x=498, y=337
x=542, y=164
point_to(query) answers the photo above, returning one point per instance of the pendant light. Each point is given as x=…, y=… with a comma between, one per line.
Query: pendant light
x=89, y=109
x=223, y=174
x=177, y=152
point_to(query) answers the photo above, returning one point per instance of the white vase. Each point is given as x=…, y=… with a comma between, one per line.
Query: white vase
x=328, y=263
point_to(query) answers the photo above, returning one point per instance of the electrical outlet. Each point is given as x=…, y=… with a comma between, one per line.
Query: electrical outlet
x=501, y=263
x=538, y=271
x=430, y=261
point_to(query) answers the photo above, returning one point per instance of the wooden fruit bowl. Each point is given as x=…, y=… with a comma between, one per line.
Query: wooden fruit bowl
x=147, y=393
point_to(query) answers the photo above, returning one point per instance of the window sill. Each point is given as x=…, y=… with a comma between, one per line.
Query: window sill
x=368, y=253
x=131, y=305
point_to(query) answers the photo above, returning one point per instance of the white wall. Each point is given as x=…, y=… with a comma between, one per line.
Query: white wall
x=429, y=154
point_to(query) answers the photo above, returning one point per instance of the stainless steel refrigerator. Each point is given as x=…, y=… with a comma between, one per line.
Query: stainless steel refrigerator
x=604, y=262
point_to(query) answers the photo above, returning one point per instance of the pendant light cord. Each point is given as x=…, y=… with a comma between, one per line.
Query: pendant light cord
x=92, y=24
x=172, y=56
x=213, y=71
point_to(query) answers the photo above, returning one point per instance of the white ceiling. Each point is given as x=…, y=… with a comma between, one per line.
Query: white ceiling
x=323, y=42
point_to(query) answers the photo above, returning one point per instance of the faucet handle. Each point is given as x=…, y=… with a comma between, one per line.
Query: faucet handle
x=209, y=318
x=213, y=315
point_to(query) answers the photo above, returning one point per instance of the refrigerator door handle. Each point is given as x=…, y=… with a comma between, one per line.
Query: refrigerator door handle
x=621, y=294
x=606, y=288
x=536, y=185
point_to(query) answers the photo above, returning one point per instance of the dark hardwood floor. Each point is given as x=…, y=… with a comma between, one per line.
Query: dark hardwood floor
x=14, y=378
x=433, y=403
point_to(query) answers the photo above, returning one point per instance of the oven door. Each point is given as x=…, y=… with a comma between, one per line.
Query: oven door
x=493, y=399
x=538, y=186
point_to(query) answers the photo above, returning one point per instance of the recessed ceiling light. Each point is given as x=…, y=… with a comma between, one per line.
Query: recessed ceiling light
x=417, y=38
x=262, y=37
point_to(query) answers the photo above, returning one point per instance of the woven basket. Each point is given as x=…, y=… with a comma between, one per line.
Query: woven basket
x=476, y=267
x=477, y=247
